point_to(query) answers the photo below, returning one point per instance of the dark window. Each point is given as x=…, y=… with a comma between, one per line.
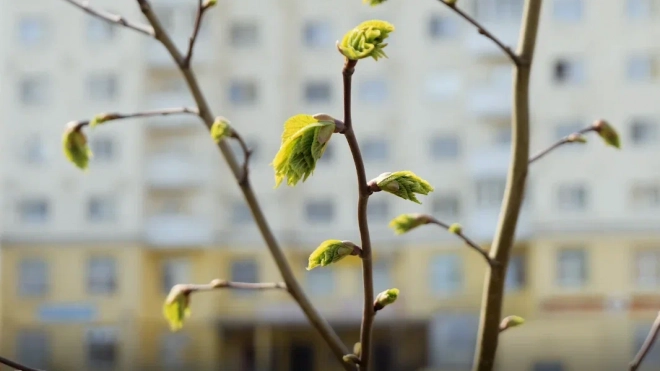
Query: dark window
x=302, y=357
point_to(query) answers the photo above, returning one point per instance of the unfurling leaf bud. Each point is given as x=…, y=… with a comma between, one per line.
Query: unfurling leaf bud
x=351, y=359
x=385, y=298
x=455, y=228
x=403, y=184
x=511, y=321
x=608, y=133
x=101, y=118
x=450, y=2
x=366, y=40
x=210, y=3
x=304, y=141
x=221, y=129
x=406, y=222
x=357, y=348
x=331, y=251
x=177, y=307
x=373, y=2
x=576, y=138
x=75, y=145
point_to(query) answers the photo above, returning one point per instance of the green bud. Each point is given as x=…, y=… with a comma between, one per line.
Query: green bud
x=455, y=228
x=101, y=118
x=304, y=141
x=373, y=2
x=210, y=3
x=576, y=138
x=366, y=40
x=511, y=321
x=450, y=2
x=406, y=222
x=221, y=129
x=75, y=145
x=331, y=251
x=177, y=307
x=385, y=298
x=608, y=133
x=357, y=348
x=351, y=359
x=403, y=184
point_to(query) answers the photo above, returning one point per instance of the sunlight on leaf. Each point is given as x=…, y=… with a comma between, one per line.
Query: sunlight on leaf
x=330, y=251
x=406, y=222
x=404, y=184
x=366, y=40
x=76, y=148
x=177, y=307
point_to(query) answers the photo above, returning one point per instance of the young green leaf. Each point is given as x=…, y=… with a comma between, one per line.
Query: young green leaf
x=221, y=129
x=366, y=40
x=455, y=228
x=511, y=321
x=74, y=143
x=608, y=133
x=406, y=222
x=373, y=2
x=331, y=251
x=304, y=141
x=403, y=184
x=177, y=307
x=385, y=298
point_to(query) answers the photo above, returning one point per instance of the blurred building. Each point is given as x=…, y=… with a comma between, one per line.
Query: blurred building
x=88, y=258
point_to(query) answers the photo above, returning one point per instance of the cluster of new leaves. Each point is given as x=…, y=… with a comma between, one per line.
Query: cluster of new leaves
x=403, y=184
x=366, y=40
x=177, y=307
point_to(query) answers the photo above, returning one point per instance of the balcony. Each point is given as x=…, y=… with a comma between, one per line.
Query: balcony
x=157, y=101
x=158, y=57
x=493, y=101
x=489, y=162
x=173, y=170
x=480, y=46
x=178, y=231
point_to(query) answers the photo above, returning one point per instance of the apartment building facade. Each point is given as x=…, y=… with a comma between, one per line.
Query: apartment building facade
x=87, y=259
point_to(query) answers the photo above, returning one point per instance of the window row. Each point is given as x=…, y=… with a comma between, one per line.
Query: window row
x=99, y=210
x=638, y=67
x=36, y=89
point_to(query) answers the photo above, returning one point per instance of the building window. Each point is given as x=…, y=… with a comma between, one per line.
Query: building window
x=645, y=196
x=455, y=336
x=572, y=268
x=33, y=277
x=639, y=9
x=32, y=30
x=643, y=132
x=442, y=27
x=173, y=351
x=446, y=274
x=99, y=30
x=244, y=34
x=244, y=270
x=516, y=272
x=102, y=87
x=33, y=211
x=33, y=348
x=499, y=10
x=319, y=211
x=320, y=282
x=102, y=348
x=647, y=264
x=640, y=68
x=652, y=359
x=318, y=92
x=34, y=90
x=439, y=87
x=34, y=150
x=446, y=206
x=444, y=147
x=375, y=149
x=175, y=271
x=379, y=210
x=381, y=275
x=568, y=10
x=241, y=213
x=101, y=209
x=548, y=366
x=490, y=192
x=572, y=197
x=317, y=34
x=569, y=72
x=101, y=275
x=103, y=148
x=373, y=91
x=243, y=92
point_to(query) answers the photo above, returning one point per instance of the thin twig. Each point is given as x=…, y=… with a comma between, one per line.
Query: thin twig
x=493, y=294
x=16, y=365
x=112, y=18
x=106, y=117
x=247, y=152
x=201, y=8
x=223, y=284
x=317, y=321
x=483, y=31
x=465, y=239
x=571, y=138
x=364, y=192
x=648, y=344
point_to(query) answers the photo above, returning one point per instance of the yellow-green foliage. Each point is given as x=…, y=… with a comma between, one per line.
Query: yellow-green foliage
x=220, y=129
x=373, y=2
x=456, y=228
x=608, y=133
x=330, y=251
x=387, y=297
x=366, y=40
x=406, y=222
x=76, y=149
x=304, y=141
x=404, y=184
x=176, y=307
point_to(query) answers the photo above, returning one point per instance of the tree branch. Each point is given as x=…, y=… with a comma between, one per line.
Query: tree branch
x=648, y=344
x=218, y=284
x=201, y=8
x=364, y=192
x=483, y=31
x=112, y=18
x=247, y=152
x=493, y=296
x=571, y=138
x=296, y=291
x=465, y=239
x=16, y=365
x=106, y=117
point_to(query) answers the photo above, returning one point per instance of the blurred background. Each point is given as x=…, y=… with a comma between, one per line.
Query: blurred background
x=88, y=258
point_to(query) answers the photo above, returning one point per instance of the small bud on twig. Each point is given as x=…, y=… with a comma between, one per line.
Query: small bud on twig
x=366, y=40
x=403, y=184
x=385, y=298
x=608, y=133
x=511, y=321
x=406, y=222
x=332, y=251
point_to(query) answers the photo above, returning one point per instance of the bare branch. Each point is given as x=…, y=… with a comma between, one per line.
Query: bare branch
x=247, y=152
x=571, y=138
x=106, y=117
x=16, y=365
x=201, y=8
x=483, y=31
x=647, y=346
x=112, y=18
x=223, y=284
x=465, y=239
x=364, y=192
